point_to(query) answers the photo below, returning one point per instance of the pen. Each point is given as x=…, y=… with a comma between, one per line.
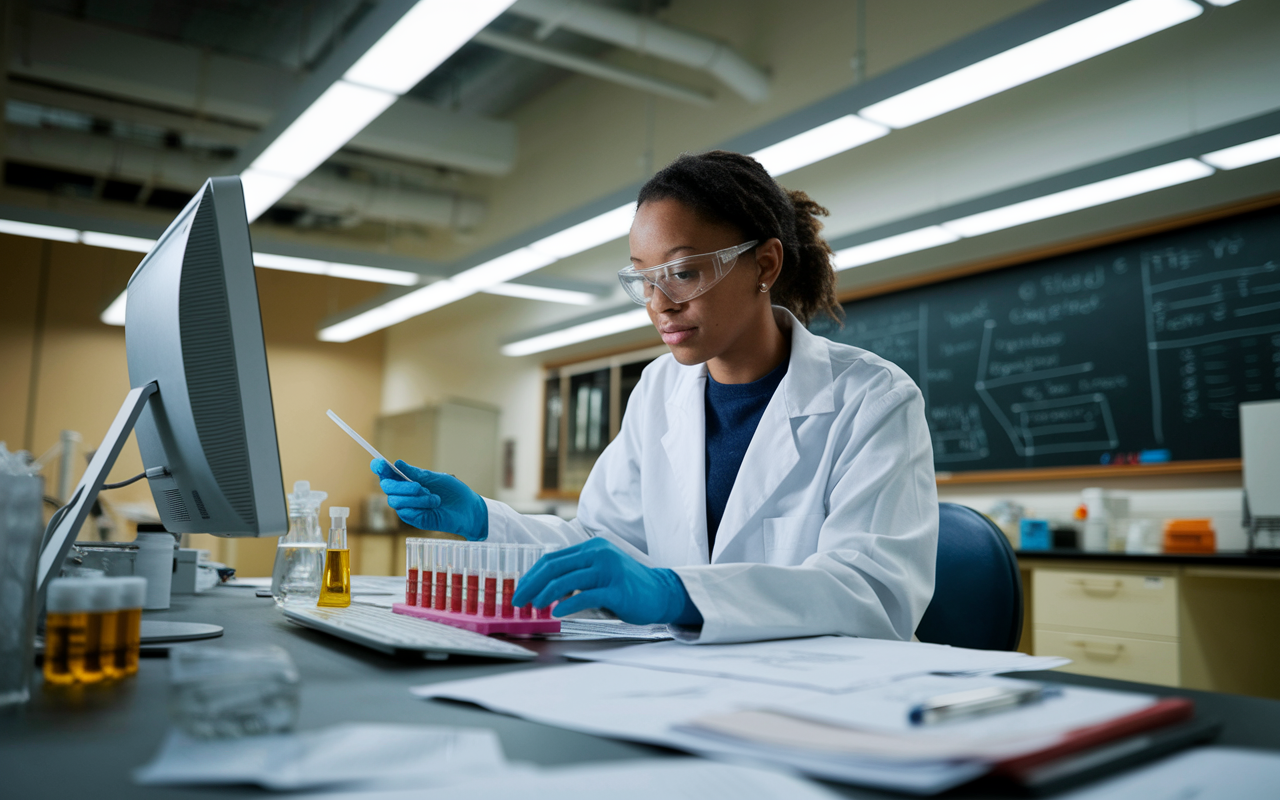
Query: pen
x=975, y=702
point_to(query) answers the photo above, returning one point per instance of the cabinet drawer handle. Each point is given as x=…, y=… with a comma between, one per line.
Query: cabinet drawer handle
x=1097, y=588
x=1099, y=652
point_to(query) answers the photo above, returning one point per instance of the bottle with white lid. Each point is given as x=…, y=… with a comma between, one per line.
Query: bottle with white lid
x=133, y=595
x=101, y=625
x=335, y=588
x=64, y=635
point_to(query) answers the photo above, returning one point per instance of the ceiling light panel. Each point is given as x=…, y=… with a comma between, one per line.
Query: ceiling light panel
x=818, y=144
x=543, y=293
x=337, y=115
x=1243, y=155
x=115, y=241
x=424, y=37
x=395, y=311
x=34, y=231
x=1080, y=41
x=114, y=313
x=626, y=321
x=585, y=235
x=891, y=246
x=1093, y=194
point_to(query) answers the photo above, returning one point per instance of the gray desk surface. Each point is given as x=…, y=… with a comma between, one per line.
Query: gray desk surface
x=86, y=746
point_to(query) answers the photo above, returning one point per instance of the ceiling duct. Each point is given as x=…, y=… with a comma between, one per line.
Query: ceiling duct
x=647, y=36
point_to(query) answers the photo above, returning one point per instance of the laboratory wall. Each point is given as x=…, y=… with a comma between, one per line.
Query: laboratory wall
x=63, y=369
x=582, y=132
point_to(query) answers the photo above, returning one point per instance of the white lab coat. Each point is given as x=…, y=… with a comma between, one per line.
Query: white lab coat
x=832, y=523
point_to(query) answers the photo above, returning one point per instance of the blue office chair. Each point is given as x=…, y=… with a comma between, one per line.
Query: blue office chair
x=977, y=594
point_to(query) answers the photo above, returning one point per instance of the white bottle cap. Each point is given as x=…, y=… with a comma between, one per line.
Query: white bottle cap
x=339, y=511
x=133, y=591
x=68, y=595
x=301, y=487
x=103, y=594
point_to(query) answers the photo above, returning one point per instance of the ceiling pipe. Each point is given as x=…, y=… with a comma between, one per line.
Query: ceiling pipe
x=647, y=36
x=593, y=67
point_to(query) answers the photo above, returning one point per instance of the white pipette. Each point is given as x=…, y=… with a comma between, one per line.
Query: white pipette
x=360, y=441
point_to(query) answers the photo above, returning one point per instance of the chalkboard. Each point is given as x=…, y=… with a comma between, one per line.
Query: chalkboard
x=1134, y=352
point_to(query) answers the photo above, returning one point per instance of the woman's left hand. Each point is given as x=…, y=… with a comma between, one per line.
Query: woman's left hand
x=606, y=577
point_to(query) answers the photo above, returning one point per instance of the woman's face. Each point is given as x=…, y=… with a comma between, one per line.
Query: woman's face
x=709, y=325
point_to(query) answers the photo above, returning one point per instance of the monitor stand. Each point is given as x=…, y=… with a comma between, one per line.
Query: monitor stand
x=163, y=632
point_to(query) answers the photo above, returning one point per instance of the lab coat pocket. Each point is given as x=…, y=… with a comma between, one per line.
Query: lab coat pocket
x=790, y=540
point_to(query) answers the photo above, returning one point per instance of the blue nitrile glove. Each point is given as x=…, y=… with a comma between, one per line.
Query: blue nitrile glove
x=608, y=578
x=433, y=501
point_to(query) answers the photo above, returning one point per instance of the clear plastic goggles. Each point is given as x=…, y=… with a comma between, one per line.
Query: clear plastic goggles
x=683, y=279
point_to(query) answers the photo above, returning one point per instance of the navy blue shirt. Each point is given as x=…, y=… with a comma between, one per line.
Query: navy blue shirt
x=733, y=414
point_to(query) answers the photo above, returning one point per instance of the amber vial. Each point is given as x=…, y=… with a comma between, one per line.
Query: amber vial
x=133, y=594
x=100, y=631
x=64, y=631
x=335, y=585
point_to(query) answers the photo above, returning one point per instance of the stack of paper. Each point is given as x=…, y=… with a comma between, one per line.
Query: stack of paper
x=833, y=707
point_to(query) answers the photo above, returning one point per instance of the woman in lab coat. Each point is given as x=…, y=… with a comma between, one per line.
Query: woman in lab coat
x=766, y=482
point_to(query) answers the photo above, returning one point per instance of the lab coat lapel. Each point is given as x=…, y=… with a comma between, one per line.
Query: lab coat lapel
x=774, y=451
x=684, y=443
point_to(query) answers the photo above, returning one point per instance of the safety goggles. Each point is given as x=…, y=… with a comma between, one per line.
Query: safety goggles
x=683, y=279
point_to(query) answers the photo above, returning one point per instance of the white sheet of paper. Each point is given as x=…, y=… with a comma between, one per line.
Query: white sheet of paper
x=1206, y=773
x=647, y=706
x=641, y=779
x=350, y=754
x=826, y=663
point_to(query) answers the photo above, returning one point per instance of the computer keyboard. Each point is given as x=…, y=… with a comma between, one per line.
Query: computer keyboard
x=383, y=630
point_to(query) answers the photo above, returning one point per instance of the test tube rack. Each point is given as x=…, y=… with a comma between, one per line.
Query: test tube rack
x=479, y=624
x=469, y=585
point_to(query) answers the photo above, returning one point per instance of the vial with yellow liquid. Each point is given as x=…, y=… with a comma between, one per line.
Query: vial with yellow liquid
x=81, y=631
x=335, y=584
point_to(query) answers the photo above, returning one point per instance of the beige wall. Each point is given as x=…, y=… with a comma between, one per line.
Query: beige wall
x=82, y=375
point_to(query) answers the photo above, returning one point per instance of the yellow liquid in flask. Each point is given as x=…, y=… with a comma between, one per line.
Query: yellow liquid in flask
x=335, y=586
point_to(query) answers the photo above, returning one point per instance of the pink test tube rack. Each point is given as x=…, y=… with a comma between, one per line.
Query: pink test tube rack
x=482, y=577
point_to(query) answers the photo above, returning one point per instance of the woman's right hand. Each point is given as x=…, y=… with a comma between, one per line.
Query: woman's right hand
x=433, y=501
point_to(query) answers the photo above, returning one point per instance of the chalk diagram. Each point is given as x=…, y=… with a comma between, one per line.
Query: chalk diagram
x=1051, y=425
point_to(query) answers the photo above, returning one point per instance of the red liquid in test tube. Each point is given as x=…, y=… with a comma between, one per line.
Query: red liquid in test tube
x=545, y=613
x=508, y=589
x=490, y=596
x=473, y=593
x=442, y=579
x=455, y=593
x=411, y=587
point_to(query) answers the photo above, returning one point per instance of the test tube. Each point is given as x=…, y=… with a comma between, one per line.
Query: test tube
x=441, y=567
x=335, y=584
x=472, y=567
x=491, y=567
x=412, y=562
x=510, y=556
x=545, y=611
x=456, y=557
x=103, y=599
x=529, y=554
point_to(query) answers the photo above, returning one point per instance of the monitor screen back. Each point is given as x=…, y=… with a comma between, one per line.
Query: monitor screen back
x=193, y=326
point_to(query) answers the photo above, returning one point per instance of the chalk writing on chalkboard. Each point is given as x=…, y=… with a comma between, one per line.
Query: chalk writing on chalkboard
x=1133, y=352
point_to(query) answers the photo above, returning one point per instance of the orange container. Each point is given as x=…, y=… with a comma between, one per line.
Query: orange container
x=1189, y=536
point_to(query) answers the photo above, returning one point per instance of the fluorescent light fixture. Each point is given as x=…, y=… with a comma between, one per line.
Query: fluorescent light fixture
x=1093, y=194
x=543, y=293
x=1080, y=41
x=585, y=235
x=903, y=243
x=424, y=37
x=1222, y=2
x=262, y=190
x=1242, y=155
x=356, y=272
x=400, y=309
x=115, y=241
x=500, y=269
x=114, y=314
x=34, y=231
x=626, y=321
x=817, y=144
x=416, y=44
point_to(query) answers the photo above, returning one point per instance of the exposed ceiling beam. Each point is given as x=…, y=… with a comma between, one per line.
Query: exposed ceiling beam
x=648, y=36
x=594, y=67
x=114, y=63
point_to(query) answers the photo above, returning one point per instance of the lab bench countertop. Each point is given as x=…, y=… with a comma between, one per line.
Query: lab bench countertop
x=88, y=744
x=1237, y=558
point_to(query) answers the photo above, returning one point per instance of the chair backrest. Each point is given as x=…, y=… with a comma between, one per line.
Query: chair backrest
x=977, y=593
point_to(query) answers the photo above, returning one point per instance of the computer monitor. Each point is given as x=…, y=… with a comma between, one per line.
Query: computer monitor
x=201, y=398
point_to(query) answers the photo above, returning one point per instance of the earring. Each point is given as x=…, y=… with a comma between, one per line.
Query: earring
x=764, y=287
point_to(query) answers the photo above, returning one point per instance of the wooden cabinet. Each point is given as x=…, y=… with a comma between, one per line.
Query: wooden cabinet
x=1200, y=623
